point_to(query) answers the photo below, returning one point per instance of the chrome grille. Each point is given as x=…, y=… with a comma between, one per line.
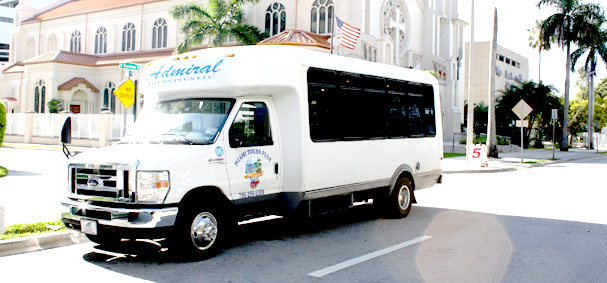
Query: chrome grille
x=99, y=182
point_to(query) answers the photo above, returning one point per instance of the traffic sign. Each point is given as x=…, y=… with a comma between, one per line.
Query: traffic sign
x=126, y=93
x=522, y=109
x=130, y=66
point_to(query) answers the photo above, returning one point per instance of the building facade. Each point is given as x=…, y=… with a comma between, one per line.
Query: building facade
x=6, y=24
x=510, y=67
x=71, y=50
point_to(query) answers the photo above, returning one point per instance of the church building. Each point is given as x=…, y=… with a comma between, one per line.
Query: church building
x=71, y=50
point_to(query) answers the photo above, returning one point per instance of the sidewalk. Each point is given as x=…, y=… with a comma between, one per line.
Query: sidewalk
x=508, y=161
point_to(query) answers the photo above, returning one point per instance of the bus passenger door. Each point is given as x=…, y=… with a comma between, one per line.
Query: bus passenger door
x=253, y=153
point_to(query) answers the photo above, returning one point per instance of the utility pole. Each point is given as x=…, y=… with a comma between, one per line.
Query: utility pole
x=470, y=120
x=491, y=133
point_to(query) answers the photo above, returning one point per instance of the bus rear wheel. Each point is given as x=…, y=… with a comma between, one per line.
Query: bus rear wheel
x=399, y=202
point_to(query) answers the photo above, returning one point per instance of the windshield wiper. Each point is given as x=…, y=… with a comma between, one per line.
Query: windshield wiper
x=181, y=136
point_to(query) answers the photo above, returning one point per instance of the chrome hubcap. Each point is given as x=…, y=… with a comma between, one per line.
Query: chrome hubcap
x=403, y=197
x=204, y=230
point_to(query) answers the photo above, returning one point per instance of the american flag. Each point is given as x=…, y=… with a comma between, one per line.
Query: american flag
x=347, y=34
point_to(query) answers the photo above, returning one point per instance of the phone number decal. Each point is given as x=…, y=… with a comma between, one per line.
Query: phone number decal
x=251, y=194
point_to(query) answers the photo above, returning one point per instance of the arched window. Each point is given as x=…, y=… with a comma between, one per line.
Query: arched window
x=159, y=34
x=52, y=42
x=101, y=41
x=109, y=99
x=128, y=37
x=322, y=17
x=75, y=41
x=31, y=47
x=276, y=18
x=39, y=96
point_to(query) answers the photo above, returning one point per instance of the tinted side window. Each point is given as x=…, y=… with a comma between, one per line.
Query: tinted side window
x=251, y=127
x=324, y=105
x=421, y=110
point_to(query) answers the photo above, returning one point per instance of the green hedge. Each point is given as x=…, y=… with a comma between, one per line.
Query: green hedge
x=2, y=122
x=483, y=140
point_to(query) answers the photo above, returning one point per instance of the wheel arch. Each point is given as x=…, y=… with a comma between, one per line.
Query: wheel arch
x=203, y=194
x=403, y=171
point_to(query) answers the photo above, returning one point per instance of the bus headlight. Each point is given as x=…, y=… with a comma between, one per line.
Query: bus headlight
x=152, y=186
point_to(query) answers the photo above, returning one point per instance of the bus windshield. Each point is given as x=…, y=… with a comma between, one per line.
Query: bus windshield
x=185, y=121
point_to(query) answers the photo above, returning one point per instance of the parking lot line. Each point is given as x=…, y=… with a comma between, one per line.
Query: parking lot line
x=363, y=258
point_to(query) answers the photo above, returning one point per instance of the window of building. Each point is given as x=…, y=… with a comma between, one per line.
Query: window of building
x=347, y=106
x=321, y=17
x=75, y=41
x=52, y=42
x=101, y=41
x=31, y=47
x=39, y=96
x=501, y=58
x=251, y=127
x=276, y=18
x=159, y=34
x=128, y=37
x=109, y=99
x=6, y=20
x=513, y=63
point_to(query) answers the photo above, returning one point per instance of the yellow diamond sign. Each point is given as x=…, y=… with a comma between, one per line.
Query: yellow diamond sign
x=126, y=93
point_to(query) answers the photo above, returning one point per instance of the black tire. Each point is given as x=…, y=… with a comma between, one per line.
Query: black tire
x=398, y=204
x=200, y=232
x=104, y=240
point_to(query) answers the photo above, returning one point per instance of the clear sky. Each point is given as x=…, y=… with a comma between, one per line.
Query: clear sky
x=515, y=17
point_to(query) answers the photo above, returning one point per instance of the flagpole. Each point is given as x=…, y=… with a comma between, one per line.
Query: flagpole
x=332, y=32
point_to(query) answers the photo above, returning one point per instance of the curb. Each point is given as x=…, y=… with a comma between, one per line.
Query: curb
x=40, y=242
x=519, y=167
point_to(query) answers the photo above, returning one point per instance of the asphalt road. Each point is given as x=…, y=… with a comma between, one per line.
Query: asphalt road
x=35, y=185
x=543, y=224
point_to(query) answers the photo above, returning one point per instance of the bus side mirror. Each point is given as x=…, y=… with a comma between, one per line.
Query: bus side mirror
x=66, y=136
x=66, y=131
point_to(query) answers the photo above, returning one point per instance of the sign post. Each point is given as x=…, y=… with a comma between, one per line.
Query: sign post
x=125, y=92
x=522, y=109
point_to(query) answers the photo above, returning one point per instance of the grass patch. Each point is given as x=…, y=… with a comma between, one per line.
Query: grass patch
x=22, y=230
x=3, y=171
x=451, y=154
x=540, y=161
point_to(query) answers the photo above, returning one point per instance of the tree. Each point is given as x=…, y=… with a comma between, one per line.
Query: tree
x=536, y=41
x=567, y=26
x=594, y=44
x=2, y=122
x=54, y=106
x=481, y=115
x=540, y=98
x=579, y=106
x=216, y=20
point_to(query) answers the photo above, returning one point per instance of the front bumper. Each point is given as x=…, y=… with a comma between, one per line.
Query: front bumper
x=140, y=218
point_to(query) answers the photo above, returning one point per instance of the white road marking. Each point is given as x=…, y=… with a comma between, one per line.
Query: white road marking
x=363, y=258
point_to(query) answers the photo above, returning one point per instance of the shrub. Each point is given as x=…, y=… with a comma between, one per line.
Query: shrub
x=2, y=122
x=54, y=106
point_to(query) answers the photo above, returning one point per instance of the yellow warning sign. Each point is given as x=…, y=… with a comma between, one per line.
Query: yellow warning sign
x=126, y=93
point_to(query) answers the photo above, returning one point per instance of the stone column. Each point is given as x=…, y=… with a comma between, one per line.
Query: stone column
x=105, y=128
x=29, y=126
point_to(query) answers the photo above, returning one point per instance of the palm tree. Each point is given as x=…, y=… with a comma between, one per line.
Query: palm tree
x=595, y=43
x=567, y=25
x=536, y=41
x=216, y=20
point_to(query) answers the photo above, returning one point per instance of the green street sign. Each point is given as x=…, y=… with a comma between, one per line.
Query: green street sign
x=130, y=66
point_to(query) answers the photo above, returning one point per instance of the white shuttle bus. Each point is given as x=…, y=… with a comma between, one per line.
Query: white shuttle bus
x=230, y=134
